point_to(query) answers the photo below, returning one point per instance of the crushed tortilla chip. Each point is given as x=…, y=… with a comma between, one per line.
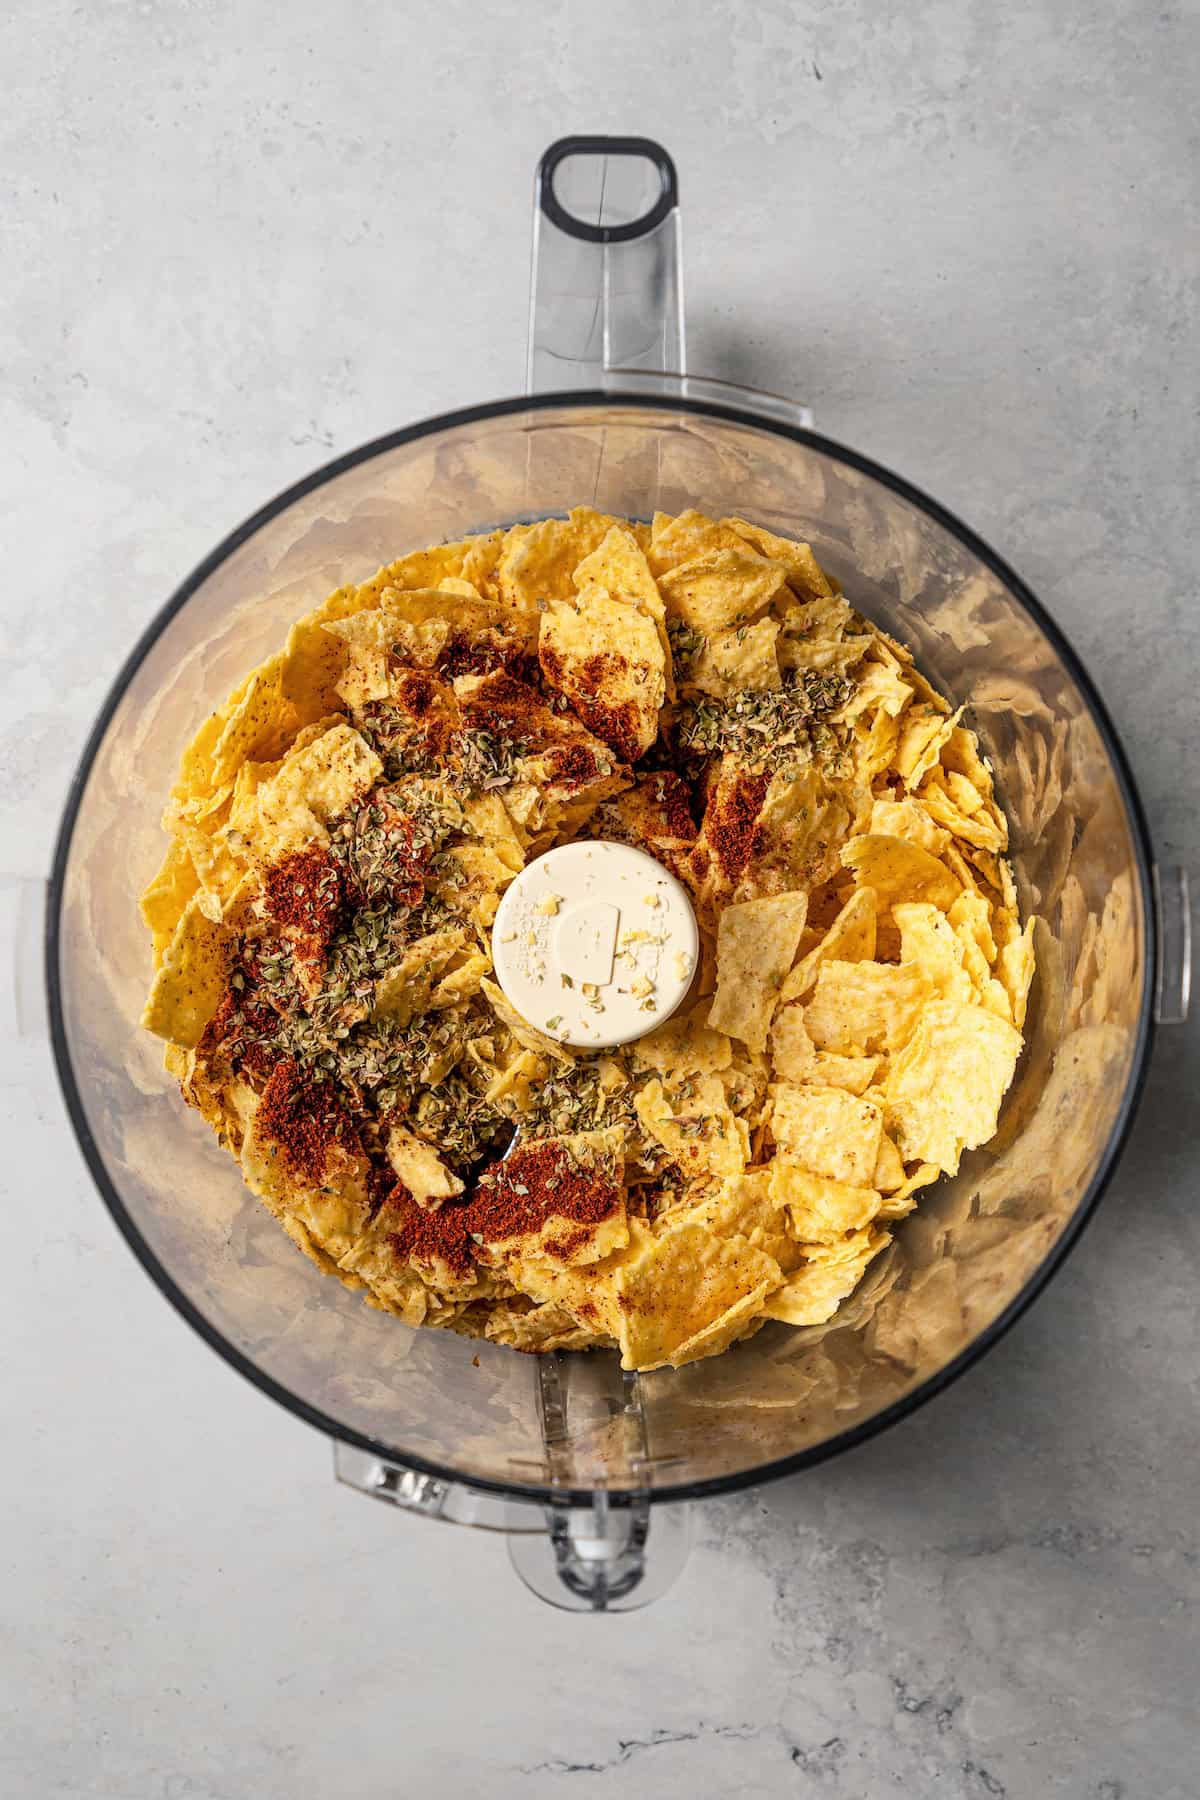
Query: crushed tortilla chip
x=756, y=942
x=944, y=1088
x=828, y=1131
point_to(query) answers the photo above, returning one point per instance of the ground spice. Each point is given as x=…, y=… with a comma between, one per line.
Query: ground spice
x=672, y=797
x=303, y=893
x=305, y=1118
x=462, y=657
x=543, y=1181
x=585, y=682
x=426, y=1237
x=572, y=765
x=731, y=818
x=513, y=1199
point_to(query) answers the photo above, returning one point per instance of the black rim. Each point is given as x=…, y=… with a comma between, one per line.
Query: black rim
x=934, y=1384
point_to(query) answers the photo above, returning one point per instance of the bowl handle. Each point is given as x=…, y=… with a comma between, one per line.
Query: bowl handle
x=1173, y=975
x=606, y=284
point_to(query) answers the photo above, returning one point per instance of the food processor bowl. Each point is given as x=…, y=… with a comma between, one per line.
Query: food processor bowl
x=566, y=1451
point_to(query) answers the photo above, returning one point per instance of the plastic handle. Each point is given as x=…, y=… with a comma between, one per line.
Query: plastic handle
x=606, y=285
x=23, y=1015
x=1173, y=976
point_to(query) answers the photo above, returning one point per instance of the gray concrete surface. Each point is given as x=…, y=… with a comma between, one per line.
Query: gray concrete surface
x=238, y=239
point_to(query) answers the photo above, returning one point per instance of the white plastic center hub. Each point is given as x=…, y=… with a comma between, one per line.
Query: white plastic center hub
x=595, y=944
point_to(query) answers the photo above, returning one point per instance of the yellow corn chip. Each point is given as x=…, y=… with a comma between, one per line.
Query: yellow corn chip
x=522, y=1030
x=924, y=732
x=695, y=1125
x=928, y=940
x=537, y=562
x=828, y=1131
x=898, y=870
x=830, y=1273
x=733, y=661
x=675, y=1288
x=164, y=900
x=618, y=567
x=472, y=559
x=899, y=1202
x=944, y=1088
x=864, y=1006
x=559, y=1239
x=605, y=654
x=258, y=727
x=689, y=534
x=978, y=829
x=908, y=819
x=854, y=1073
x=1014, y=967
x=685, y=1045
x=404, y=991
x=889, y=1167
x=804, y=572
x=792, y=1052
x=420, y=1168
x=821, y=1210
x=851, y=938
x=309, y=787
x=743, y=1207
x=190, y=982
x=756, y=942
x=721, y=589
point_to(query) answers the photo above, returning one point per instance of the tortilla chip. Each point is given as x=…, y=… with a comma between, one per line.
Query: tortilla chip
x=420, y=1168
x=618, y=567
x=865, y=1006
x=472, y=559
x=743, y=1207
x=898, y=870
x=908, y=819
x=190, y=982
x=678, y=539
x=731, y=662
x=793, y=845
x=853, y=1073
x=559, y=1239
x=676, y=1289
x=944, y=1088
x=851, y=938
x=792, y=1051
x=804, y=572
x=310, y=787
x=828, y=1131
x=164, y=899
x=922, y=736
x=821, y=1211
x=899, y=1202
x=537, y=562
x=695, y=1126
x=889, y=1167
x=685, y=1045
x=605, y=655
x=258, y=727
x=1014, y=967
x=828, y=1276
x=756, y=942
x=928, y=940
x=721, y=589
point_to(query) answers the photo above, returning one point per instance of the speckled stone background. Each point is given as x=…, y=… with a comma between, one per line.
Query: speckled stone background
x=240, y=238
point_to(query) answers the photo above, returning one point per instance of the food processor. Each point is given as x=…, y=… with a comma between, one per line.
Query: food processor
x=588, y=1469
